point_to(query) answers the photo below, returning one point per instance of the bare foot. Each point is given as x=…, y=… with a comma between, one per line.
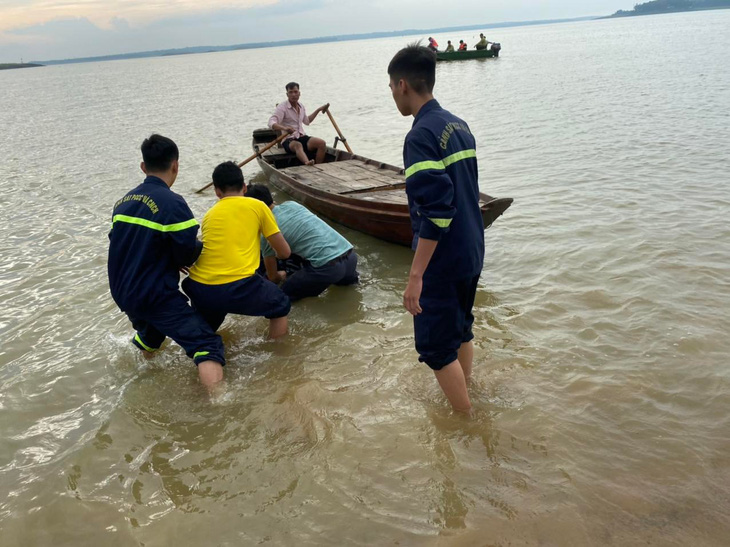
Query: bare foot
x=310, y=162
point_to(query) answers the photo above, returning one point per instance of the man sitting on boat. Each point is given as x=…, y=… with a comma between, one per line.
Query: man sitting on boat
x=449, y=47
x=482, y=43
x=329, y=258
x=462, y=45
x=432, y=44
x=291, y=117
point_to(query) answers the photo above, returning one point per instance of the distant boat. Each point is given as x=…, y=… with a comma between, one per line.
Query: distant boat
x=363, y=194
x=492, y=51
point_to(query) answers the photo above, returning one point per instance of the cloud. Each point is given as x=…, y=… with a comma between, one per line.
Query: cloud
x=58, y=28
x=72, y=37
x=290, y=7
x=112, y=26
x=63, y=38
x=16, y=14
x=119, y=24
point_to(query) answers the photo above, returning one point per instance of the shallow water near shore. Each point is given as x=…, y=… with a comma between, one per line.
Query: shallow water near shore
x=601, y=383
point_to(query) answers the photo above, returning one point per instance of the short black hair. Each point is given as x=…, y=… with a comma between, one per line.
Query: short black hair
x=261, y=193
x=416, y=65
x=158, y=153
x=291, y=85
x=228, y=176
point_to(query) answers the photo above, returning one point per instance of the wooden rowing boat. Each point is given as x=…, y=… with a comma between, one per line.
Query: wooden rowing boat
x=363, y=194
x=468, y=54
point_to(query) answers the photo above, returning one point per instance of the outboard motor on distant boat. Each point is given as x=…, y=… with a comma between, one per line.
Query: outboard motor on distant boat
x=495, y=47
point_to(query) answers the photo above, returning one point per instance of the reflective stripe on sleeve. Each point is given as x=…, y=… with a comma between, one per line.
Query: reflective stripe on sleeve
x=423, y=165
x=442, y=164
x=464, y=154
x=178, y=226
x=441, y=222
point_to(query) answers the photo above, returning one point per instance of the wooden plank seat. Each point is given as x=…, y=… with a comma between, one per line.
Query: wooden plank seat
x=385, y=196
x=277, y=152
x=314, y=178
x=344, y=177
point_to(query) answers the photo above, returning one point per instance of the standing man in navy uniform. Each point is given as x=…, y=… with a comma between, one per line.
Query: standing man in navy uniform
x=448, y=232
x=154, y=235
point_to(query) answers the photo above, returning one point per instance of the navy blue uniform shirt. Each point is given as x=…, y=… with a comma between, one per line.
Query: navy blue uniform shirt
x=154, y=234
x=443, y=191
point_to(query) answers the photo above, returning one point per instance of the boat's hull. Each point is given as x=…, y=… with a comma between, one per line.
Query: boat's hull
x=464, y=55
x=379, y=208
x=385, y=221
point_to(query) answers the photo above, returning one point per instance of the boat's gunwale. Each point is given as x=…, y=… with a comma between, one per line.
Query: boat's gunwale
x=344, y=198
x=338, y=198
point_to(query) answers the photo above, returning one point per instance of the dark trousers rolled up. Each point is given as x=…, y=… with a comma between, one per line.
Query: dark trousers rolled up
x=310, y=281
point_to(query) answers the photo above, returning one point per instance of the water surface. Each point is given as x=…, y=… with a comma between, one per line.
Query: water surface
x=601, y=387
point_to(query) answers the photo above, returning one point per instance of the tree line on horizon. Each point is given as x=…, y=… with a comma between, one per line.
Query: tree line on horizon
x=669, y=6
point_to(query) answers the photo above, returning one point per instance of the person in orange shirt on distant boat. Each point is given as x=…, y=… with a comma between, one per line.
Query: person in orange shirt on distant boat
x=290, y=117
x=432, y=44
x=462, y=45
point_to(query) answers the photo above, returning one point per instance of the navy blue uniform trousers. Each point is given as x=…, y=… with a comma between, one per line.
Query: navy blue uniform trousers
x=174, y=318
x=446, y=320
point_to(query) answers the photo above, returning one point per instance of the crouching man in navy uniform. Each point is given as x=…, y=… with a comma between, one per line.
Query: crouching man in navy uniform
x=154, y=235
x=448, y=232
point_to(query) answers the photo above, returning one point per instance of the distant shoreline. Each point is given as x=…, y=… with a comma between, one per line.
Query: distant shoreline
x=10, y=66
x=656, y=7
x=649, y=8
x=303, y=41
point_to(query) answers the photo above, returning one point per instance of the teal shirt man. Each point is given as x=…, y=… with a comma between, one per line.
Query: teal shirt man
x=329, y=259
x=308, y=236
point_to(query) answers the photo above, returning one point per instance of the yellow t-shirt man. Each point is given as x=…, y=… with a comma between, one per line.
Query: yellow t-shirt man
x=231, y=234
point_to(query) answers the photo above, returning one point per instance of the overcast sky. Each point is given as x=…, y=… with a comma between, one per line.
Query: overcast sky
x=60, y=29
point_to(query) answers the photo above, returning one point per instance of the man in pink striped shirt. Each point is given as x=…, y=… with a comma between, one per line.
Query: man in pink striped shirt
x=291, y=117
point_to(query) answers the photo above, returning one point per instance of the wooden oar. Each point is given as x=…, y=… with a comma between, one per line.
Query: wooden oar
x=342, y=137
x=255, y=155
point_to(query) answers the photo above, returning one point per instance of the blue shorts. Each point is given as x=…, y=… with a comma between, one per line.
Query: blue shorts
x=248, y=296
x=311, y=281
x=175, y=318
x=446, y=320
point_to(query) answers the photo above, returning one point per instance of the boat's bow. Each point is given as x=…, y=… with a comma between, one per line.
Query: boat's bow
x=493, y=208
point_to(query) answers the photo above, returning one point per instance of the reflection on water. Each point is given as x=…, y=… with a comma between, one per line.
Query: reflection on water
x=600, y=385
